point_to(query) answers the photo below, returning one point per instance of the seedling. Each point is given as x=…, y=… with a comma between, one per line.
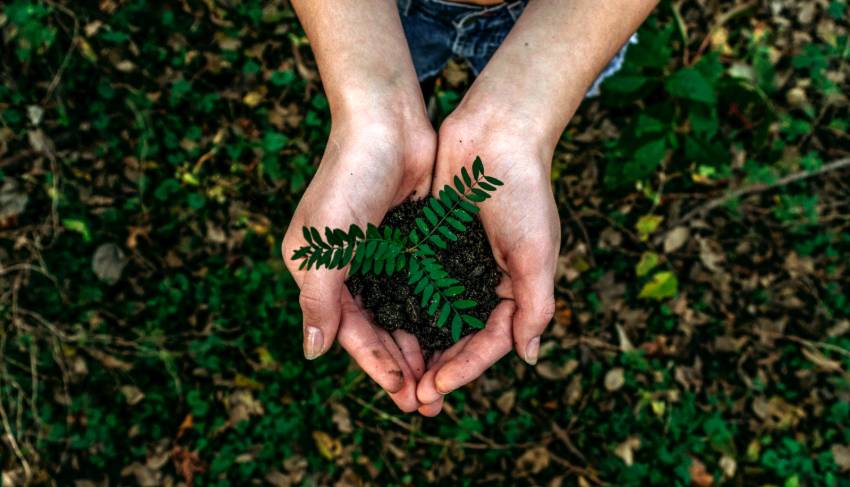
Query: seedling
x=386, y=250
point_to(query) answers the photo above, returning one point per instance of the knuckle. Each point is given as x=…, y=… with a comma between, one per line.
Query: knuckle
x=311, y=302
x=545, y=311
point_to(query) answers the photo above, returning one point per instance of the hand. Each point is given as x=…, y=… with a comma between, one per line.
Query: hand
x=521, y=222
x=371, y=164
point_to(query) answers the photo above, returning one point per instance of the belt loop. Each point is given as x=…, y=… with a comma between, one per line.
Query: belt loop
x=516, y=8
x=404, y=6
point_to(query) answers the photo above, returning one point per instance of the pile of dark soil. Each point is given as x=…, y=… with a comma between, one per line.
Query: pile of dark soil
x=392, y=302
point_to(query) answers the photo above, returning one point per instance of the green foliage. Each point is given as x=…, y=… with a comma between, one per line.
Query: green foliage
x=192, y=362
x=385, y=250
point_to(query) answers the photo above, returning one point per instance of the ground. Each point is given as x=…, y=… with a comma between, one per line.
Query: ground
x=150, y=159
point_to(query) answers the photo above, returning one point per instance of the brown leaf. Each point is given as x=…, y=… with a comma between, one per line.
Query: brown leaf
x=108, y=263
x=241, y=405
x=132, y=394
x=626, y=450
x=187, y=463
x=615, y=379
x=699, y=476
x=13, y=199
x=548, y=369
x=841, y=455
x=506, y=401
x=109, y=361
x=533, y=460
x=675, y=238
x=341, y=418
x=728, y=465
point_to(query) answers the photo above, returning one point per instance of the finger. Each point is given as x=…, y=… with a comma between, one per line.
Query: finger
x=484, y=349
x=505, y=289
x=361, y=340
x=409, y=346
x=405, y=398
x=534, y=292
x=433, y=409
x=321, y=291
x=426, y=391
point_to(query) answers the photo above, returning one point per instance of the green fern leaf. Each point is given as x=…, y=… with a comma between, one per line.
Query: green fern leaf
x=300, y=253
x=426, y=295
x=477, y=167
x=447, y=233
x=307, y=236
x=354, y=233
x=475, y=198
x=430, y=215
x=420, y=286
x=454, y=291
x=422, y=226
x=335, y=258
x=494, y=181
x=472, y=321
x=432, y=308
x=486, y=186
x=346, y=256
x=458, y=185
x=317, y=239
x=466, y=179
x=457, y=326
x=468, y=207
x=436, y=240
x=465, y=304
x=444, y=314
x=437, y=206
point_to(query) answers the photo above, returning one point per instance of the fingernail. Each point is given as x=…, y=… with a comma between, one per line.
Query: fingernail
x=531, y=350
x=313, y=341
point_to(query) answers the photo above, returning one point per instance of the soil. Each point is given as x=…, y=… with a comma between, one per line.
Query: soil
x=393, y=303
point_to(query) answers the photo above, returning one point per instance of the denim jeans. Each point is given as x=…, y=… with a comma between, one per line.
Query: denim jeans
x=438, y=30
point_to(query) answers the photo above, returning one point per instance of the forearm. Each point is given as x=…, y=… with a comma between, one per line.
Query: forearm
x=542, y=71
x=363, y=57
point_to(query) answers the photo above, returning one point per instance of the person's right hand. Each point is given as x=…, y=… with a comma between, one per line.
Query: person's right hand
x=372, y=162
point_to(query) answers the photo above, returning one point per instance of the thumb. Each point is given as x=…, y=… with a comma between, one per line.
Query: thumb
x=320, y=298
x=534, y=293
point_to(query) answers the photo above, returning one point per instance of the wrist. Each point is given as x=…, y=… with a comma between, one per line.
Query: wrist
x=514, y=117
x=499, y=132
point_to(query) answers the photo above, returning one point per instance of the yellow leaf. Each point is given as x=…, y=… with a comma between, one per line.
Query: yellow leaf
x=658, y=407
x=246, y=382
x=648, y=261
x=86, y=50
x=647, y=224
x=662, y=286
x=252, y=98
x=329, y=447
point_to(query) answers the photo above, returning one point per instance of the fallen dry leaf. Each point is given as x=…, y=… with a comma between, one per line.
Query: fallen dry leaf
x=615, y=379
x=699, y=476
x=533, y=460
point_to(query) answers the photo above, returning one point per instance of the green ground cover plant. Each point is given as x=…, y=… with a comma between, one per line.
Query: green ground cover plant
x=151, y=154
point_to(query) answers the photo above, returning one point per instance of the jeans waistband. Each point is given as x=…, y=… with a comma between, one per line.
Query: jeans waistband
x=448, y=8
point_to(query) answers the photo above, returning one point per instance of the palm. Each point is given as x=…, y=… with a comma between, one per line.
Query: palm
x=362, y=175
x=522, y=225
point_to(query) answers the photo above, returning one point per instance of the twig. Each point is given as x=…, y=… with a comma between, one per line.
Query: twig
x=13, y=442
x=760, y=187
x=565, y=439
x=425, y=438
x=725, y=17
x=58, y=76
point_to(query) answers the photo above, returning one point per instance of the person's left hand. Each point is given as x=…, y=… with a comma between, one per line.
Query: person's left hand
x=521, y=222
